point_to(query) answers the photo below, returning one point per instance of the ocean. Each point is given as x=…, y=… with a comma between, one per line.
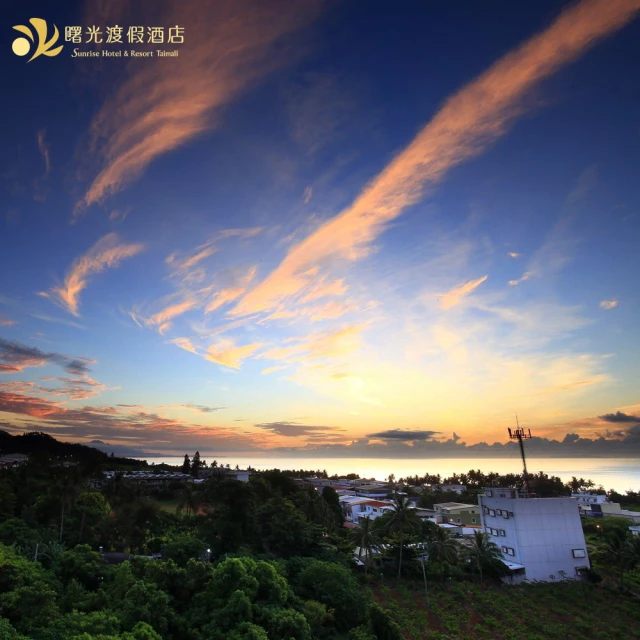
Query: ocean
x=620, y=474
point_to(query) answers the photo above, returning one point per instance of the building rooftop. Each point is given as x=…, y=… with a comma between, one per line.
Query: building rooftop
x=454, y=505
x=377, y=503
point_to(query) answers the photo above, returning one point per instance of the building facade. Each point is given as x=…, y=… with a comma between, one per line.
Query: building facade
x=457, y=513
x=539, y=538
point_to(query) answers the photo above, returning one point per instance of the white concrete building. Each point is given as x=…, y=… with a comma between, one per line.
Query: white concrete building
x=539, y=538
x=587, y=498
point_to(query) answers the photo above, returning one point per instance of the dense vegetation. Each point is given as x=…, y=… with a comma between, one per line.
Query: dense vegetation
x=269, y=559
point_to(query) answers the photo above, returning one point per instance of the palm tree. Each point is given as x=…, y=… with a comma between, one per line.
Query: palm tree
x=482, y=552
x=441, y=546
x=66, y=489
x=621, y=551
x=367, y=538
x=188, y=500
x=404, y=521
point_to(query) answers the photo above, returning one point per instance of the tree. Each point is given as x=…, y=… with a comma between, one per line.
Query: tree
x=331, y=497
x=195, y=464
x=186, y=465
x=483, y=552
x=182, y=548
x=367, y=538
x=440, y=547
x=403, y=521
x=621, y=551
x=334, y=586
x=284, y=531
x=82, y=564
x=144, y=602
x=188, y=500
x=66, y=488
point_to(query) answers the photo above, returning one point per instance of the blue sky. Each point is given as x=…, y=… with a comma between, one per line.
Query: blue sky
x=324, y=225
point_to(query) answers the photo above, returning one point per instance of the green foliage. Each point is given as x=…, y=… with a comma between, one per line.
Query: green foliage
x=183, y=548
x=335, y=587
x=382, y=625
x=81, y=564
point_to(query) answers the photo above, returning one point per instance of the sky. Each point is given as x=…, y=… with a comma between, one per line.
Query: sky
x=323, y=226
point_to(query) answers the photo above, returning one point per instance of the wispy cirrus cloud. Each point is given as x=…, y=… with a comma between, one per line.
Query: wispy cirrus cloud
x=44, y=151
x=15, y=357
x=5, y=322
x=105, y=254
x=470, y=121
x=230, y=355
x=40, y=194
x=523, y=278
x=608, y=304
x=229, y=45
x=184, y=343
x=454, y=296
x=199, y=408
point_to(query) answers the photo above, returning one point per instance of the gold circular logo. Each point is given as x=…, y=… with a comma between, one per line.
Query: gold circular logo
x=21, y=46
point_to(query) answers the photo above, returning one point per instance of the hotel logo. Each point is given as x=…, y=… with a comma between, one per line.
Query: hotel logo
x=38, y=41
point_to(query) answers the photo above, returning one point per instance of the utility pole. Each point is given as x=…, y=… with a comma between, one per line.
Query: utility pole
x=520, y=435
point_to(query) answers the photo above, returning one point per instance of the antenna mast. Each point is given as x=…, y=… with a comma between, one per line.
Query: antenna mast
x=520, y=435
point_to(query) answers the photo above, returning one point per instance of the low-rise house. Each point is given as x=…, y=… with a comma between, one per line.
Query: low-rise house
x=374, y=509
x=458, y=513
x=593, y=505
x=635, y=530
x=373, y=491
x=351, y=507
x=456, y=488
x=587, y=498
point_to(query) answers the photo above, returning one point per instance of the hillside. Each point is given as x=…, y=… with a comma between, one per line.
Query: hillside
x=464, y=611
x=36, y=442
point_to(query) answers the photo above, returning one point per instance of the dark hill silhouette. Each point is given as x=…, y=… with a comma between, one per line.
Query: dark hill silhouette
x=36, y=442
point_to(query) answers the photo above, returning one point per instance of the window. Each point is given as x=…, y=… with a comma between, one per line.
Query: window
x=492, y=512
x=485, y=510
x=505, y=515
x=508, y=551
x=488, y=493
x=473, y=520
x=579, y=553
x=499, y=512
x=458, y=520
x=502, y=532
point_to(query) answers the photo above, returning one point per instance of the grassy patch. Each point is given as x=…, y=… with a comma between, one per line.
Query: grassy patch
x=168, y=505
x=565, y=611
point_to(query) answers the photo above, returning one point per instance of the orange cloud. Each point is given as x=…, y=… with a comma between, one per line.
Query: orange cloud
x=453, y=297
x=184, y=343
x=6, y=323
x=105, y=254
x=608, y=304
x=464, y=127
x=162, y=319
x=229, y=355
x=229, y=45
